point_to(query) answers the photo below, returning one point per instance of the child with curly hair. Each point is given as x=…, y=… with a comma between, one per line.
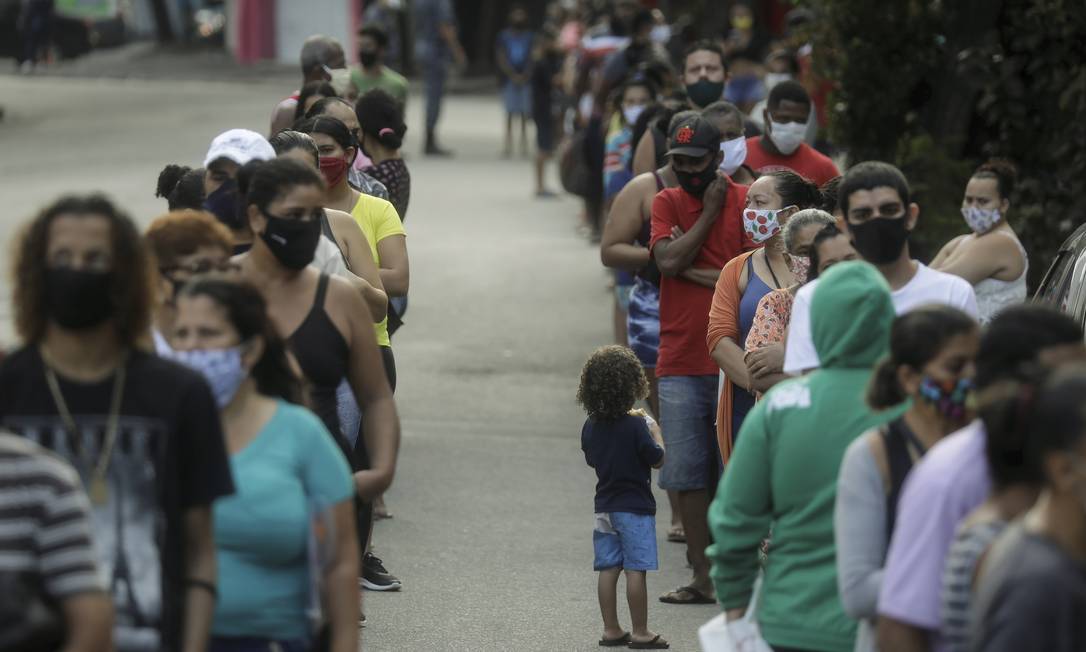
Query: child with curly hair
x=623, y=446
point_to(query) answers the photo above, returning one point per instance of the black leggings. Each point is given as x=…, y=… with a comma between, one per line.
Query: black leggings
x=364, y=510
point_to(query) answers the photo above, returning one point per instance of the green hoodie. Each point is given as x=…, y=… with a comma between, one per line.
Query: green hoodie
x=783, y=472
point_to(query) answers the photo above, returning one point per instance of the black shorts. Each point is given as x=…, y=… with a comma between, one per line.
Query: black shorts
x=544, y=132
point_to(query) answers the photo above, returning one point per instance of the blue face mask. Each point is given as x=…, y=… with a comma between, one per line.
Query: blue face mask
x=222, y=368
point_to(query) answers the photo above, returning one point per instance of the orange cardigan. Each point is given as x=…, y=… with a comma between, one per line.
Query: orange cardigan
x=724, y=322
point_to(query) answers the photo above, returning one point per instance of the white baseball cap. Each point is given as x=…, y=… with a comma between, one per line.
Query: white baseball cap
x=239, y=146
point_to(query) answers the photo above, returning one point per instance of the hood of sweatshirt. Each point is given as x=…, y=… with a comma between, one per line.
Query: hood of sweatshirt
x=851, y=315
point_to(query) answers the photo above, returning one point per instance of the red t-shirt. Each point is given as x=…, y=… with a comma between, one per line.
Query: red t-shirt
x=805, y=161
x=684, y=305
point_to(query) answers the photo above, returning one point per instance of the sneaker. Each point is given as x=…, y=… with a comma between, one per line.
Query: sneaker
x=375, y=577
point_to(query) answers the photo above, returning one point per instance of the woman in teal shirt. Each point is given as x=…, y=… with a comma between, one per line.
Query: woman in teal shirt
x=290, y=476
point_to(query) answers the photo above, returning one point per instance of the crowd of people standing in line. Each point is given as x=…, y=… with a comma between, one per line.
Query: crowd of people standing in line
x=873, y=452
x=200, y=422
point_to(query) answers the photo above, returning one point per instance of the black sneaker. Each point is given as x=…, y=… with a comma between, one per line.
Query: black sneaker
x=376, y=577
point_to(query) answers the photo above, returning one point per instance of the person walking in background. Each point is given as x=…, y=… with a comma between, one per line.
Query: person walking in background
x=1031, y=593
x=290, y=477
x=696, y=230
x=782, y=147
x=781, y=478
x=745, y=280
x=953, y=479
x=623, y=448
x=143, y=432
x=321, y=55
x=52, y=597
x=513, y=55
x=992, y=257
x=435, y=41
x=381, y=130
x=545, y=80
x=373, y=71
x=930, y=365
x=228, y=152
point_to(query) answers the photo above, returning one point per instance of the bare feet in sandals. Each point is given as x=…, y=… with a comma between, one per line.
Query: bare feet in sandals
x=648, y=641
x=688, y=595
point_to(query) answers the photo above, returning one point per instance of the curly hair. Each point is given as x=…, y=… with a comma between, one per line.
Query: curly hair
x=132, y=277
x=611, y=382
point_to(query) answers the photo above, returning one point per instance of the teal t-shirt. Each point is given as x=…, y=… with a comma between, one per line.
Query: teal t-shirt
x=291, y=469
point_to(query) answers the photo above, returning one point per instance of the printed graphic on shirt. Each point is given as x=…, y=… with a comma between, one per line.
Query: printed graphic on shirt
x=126, y=525
x=792, y=395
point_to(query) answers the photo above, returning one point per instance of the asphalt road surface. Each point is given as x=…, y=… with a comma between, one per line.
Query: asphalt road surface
x=492, y=502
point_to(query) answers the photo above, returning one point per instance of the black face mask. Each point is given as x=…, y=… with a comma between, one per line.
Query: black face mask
x=880, y=240
x=78, y=299
x=223, y=204
x=704, y=92
x=695, y=183
x=367, y=57
x=293, y=242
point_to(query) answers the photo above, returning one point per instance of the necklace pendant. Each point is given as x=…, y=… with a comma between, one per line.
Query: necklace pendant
x=99, y=491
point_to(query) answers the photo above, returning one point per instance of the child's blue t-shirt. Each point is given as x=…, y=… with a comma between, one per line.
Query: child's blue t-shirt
x=517, y=45
x=292, y=469
x=623, y=454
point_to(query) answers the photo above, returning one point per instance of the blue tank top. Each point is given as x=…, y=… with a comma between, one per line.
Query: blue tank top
x=742, y=400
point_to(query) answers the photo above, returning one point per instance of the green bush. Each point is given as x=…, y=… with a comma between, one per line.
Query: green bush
x=937, y=87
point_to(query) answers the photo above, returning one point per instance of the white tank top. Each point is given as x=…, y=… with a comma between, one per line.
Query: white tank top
x=993, y=295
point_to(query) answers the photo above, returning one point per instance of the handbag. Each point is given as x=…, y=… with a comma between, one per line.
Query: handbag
x=573, y=165
x=743, y=635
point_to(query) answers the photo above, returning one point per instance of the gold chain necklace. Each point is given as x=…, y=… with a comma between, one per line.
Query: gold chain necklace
x=99, y=488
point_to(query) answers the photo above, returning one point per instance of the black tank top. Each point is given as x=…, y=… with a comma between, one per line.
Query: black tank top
x=322, y=354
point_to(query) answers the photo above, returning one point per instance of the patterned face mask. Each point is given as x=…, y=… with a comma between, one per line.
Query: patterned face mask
x=761, y=224
x=222, y=368
x=981, y=220
x=948, y=397
x=800, y=266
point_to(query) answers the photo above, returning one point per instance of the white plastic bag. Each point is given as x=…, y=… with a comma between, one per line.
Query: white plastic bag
x=741, y=635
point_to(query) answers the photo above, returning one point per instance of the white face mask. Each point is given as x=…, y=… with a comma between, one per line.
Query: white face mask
x=735, y=152
x=661, y=34
x=787, y=136
x=632, y=113
x=981, y=220
x=774, y=78
x=761, y=224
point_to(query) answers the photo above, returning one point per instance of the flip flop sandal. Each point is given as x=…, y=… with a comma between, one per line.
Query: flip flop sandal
x=655, y=644
x=621, y=641
x=697, y=597
x=676, y=535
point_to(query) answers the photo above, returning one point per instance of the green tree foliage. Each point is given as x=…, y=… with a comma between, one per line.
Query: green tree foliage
x=937, y=86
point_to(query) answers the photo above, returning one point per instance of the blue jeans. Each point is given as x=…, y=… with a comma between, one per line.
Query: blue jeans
x=687, y=419
x=434, y=75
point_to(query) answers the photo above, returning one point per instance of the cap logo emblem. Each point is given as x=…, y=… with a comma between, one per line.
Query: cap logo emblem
x=684, y=136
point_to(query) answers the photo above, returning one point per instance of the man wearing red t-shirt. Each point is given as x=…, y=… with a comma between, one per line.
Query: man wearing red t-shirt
x=782, y=148
x=696, y=230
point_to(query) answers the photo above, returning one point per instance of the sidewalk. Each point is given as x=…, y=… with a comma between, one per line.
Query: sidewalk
x=148, y=60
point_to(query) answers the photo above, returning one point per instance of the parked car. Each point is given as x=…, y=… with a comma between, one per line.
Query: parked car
x=1064, y=285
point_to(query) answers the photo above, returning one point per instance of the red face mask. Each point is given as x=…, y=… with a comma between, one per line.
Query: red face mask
x=334, y=169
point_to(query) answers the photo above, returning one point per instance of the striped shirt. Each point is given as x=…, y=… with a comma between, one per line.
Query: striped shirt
x=45, y=520
x=969, y=546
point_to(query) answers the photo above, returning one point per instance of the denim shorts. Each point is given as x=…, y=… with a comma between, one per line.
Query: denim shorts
x=517, y=98
x=643, y=322
x=687, y=418
x=624, y=540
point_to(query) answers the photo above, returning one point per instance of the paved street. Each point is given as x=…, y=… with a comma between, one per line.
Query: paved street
x=492, y=501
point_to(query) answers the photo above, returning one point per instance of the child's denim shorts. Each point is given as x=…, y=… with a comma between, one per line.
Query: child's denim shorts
x=625, y=540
